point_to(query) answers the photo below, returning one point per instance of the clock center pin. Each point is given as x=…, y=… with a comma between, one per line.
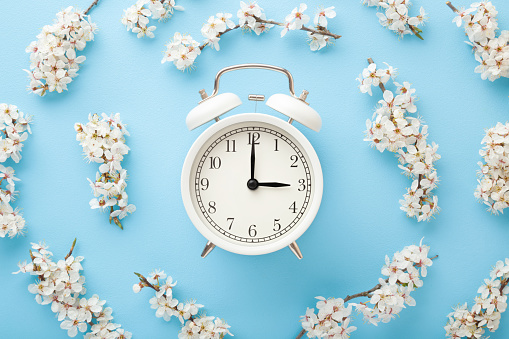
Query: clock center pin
x=252, y=184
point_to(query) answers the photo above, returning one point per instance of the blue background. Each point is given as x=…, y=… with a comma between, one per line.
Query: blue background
x=359, y=221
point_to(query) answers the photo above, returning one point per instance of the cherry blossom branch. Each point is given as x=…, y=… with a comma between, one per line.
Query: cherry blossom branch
x=392, y=128
x=382, y=87
x=493, y=175
x=182, y=50
x=136, y=17
x=487, y=310
x=90, y=7
x=61, y=284
x=367, y=294
x=320, y=30
x=70, y=34
x=489, y=46
x=193, y=324
x=348, y=298
x=110, y=184
x=14, y=130
x=397, y=19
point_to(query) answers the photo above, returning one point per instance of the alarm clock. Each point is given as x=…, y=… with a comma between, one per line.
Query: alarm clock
x=252, y=183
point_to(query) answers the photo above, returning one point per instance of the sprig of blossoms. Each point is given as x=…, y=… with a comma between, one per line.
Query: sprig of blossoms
x=103, y=142
x=183, y=50
x=194, y=325
x=62, y=285
x=54, y=59
x=493, y=185
x=14, y=130
x=136, y=17
x=387, y=298
x=492, y=52
x=393, y=129
x=396, y=16
x=487, y=310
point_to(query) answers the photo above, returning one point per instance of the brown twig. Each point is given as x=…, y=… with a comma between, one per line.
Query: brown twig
x=503, y=285
x=146, y=282
x=451, y=6
x=90, y=7
x=321, y=30
x=301, y=334
x=367, y=293
x=72, y=249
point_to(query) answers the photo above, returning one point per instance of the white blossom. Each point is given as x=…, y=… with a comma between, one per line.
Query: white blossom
x=493, y=187
x=333, y=316
x=492, y=52
x=136, y=17
x=61, y=285
x=182, y=50
x=396, y=16
x=103, y=142
x=53, y=57
x=487, y=310
x=194, y=325
x=391, y=128
x=297, y=18
x=322, y=15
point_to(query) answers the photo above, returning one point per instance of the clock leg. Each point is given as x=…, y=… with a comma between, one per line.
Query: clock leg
x=296, y=250
x=208, y=248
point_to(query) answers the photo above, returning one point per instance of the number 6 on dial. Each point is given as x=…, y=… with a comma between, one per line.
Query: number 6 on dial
x=252, y=183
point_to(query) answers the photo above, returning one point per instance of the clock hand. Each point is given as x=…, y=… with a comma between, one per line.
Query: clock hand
x=252, y=158
x=272, y=184
x=253, y=184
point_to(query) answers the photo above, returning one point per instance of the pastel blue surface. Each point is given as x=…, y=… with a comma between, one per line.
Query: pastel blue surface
x=359, y=221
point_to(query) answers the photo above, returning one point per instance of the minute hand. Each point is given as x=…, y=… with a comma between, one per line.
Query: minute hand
x=272, y=184
x=252, y=158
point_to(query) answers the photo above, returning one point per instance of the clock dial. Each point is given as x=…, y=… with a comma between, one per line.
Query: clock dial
x=251, y=183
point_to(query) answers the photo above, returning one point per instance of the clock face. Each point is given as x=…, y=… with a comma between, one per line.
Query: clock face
x=251, y=208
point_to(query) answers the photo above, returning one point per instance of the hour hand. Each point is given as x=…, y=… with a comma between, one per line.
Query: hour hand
x=272, y=184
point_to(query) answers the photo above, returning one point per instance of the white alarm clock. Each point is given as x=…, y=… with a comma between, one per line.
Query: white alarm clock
x=252, y=183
